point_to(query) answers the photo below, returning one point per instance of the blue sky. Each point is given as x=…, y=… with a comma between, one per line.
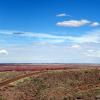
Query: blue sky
x=49, y=31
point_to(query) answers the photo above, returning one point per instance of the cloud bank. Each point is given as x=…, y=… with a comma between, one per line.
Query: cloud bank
x=88, y=37
x=53, y=48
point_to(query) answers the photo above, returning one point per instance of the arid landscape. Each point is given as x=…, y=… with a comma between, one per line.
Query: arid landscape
x=49, y=49
x=50, y=82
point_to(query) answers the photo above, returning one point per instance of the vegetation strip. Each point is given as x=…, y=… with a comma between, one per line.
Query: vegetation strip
x=18, y=78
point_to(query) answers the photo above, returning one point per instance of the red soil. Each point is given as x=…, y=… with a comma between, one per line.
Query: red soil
x=26, y=67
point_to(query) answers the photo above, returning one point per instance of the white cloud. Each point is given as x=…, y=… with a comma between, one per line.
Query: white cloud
x=63, y=15
x=77, y=23
x=89, y=37
x=75, y=46
x=92, y=53
x=91, y=50
x=95, y=24
x=93, y=36
x=3, y=51
x=72, y=49
x=73, y=23
x=85, y=39
x=49, y=54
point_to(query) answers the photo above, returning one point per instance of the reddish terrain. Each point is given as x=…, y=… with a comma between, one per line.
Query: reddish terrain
x=28, y=67
x=50, y=82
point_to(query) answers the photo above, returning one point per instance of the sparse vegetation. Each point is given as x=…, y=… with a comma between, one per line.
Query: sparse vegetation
x=55, y=85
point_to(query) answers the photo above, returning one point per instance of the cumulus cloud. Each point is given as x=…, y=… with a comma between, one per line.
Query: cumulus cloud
x=63, y=15
x=73, y=23
x=3, y=51
x=95, y=24
x=77, y=23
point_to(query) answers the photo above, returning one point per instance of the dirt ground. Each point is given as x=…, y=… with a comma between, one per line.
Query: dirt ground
x=81, y=83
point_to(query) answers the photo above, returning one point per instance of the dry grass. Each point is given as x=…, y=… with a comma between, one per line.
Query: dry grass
x=56, y=85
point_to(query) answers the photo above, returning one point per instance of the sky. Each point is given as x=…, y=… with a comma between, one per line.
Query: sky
x=49, y=31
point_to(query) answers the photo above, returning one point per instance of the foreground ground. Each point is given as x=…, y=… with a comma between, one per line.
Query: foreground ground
x=82, y=83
